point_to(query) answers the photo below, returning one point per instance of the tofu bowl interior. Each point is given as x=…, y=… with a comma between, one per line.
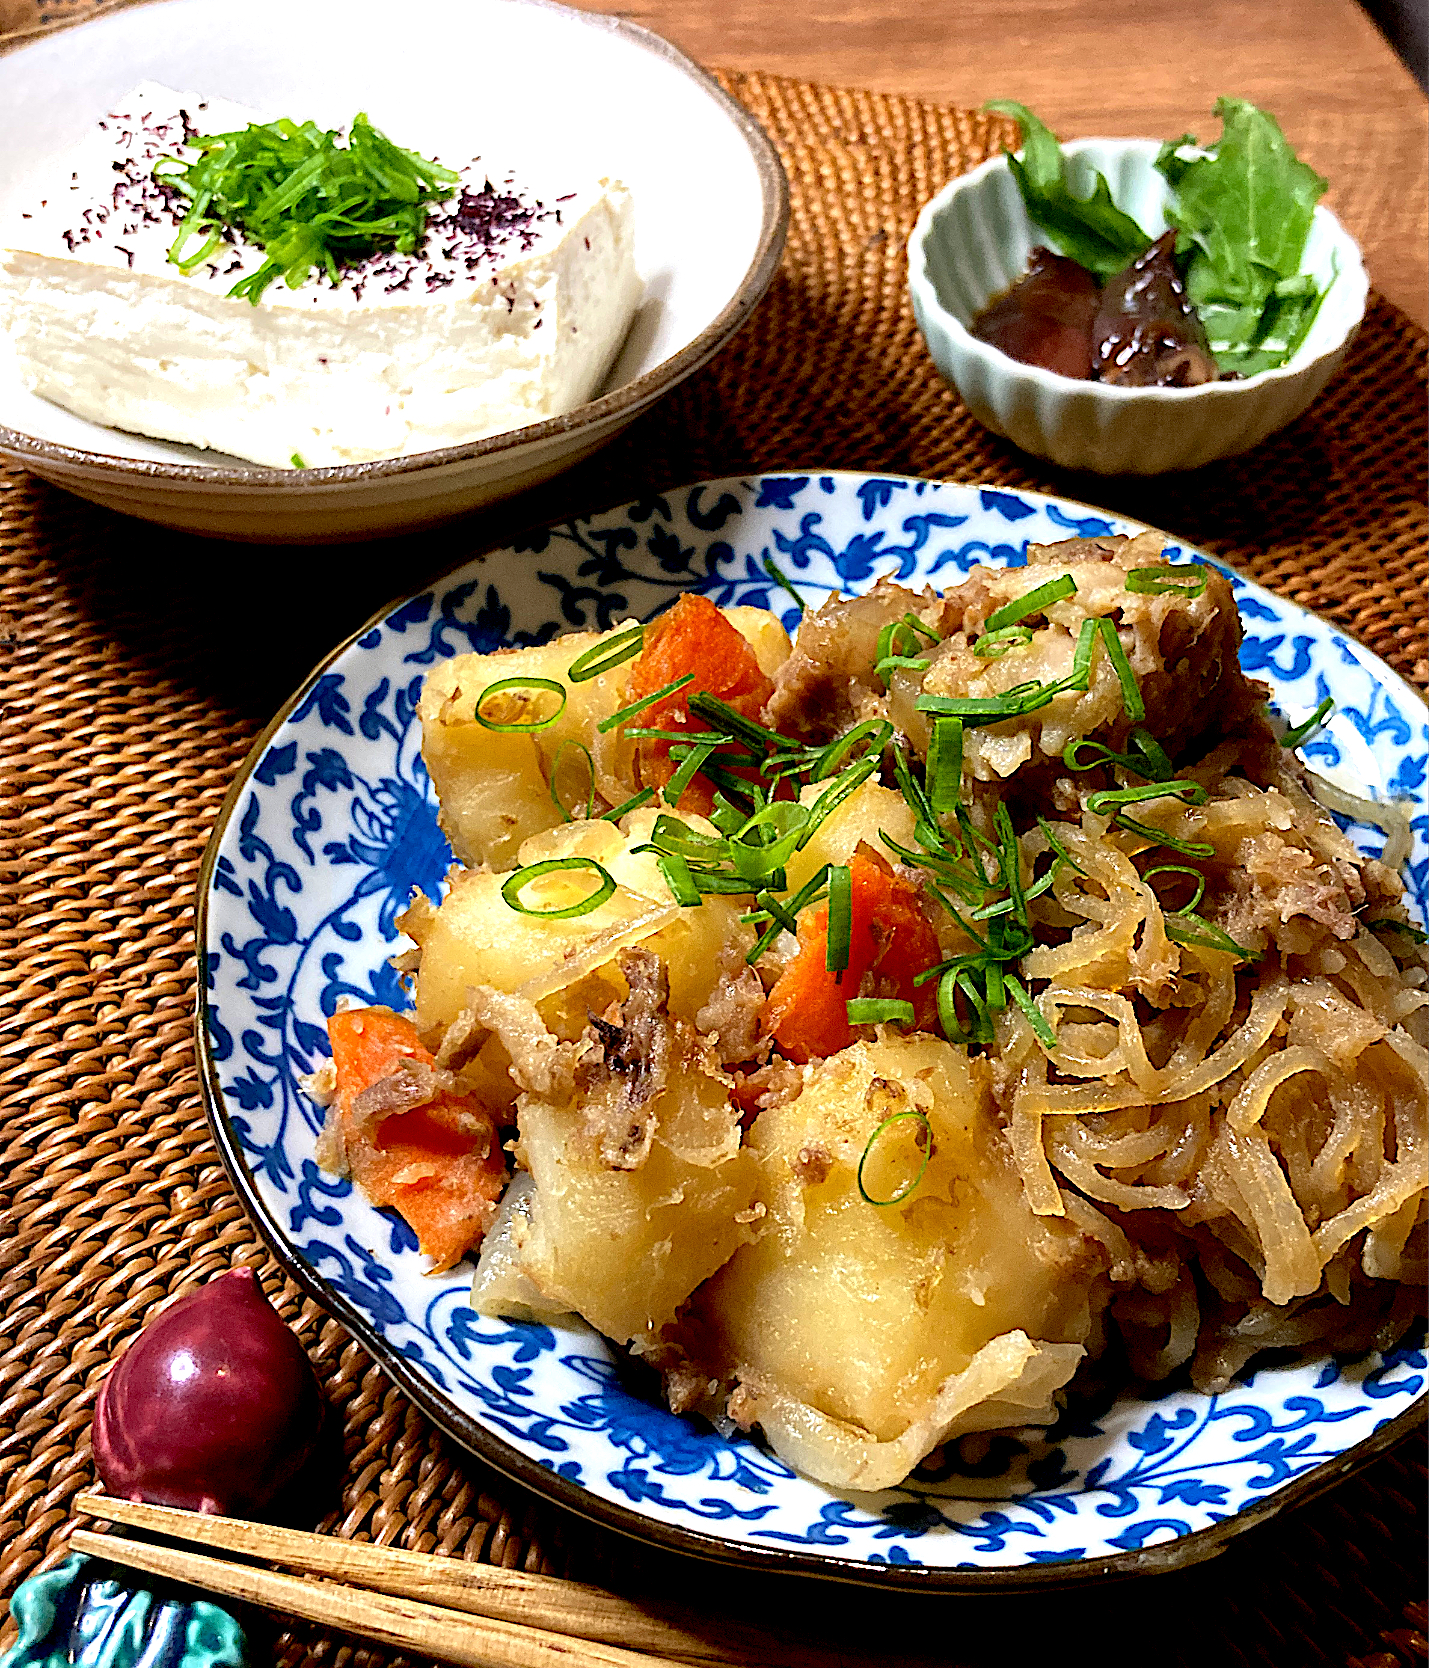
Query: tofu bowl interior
x=653, y=213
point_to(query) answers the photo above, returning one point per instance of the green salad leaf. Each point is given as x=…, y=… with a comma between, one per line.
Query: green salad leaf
x=1092, y=230
x=301, y=196
x=1243, y=208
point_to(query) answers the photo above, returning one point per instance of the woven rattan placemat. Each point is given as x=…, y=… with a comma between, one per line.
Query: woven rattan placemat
x=137, y=665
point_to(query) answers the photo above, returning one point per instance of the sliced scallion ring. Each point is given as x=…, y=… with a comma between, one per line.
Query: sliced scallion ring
x=581, y=748
x=674, y=790
x=679, y=879
x=605, y=657
x=1154, y=582
x=840, y=933
x=945, y=765
x=1131, y=701
x=1187, y=848
x=782, y=580
x=1187, y=928
x=1179, y=869
x=634, y=803
x=617, y=718
x=542, y=686
x=879, y=1010
x=875, y=732
x=1031, y=1012
x=517, y=883
x=1293, y=738
x=1031, y=602
x=925, y=1145
x=992, y=645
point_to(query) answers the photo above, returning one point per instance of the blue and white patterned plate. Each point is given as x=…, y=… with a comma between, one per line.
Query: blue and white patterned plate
x=332, y=823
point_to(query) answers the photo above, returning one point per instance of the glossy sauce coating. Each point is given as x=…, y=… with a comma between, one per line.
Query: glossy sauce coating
x=1046, y=317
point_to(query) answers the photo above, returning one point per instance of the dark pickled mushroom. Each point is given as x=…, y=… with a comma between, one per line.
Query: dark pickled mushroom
x=1146, y=333
x=1046, y=317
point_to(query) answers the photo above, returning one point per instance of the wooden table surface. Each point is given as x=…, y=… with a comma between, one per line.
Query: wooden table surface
x=1121, y=67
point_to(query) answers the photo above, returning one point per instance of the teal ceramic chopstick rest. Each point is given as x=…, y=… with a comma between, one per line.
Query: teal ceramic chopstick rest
x=87, y=1614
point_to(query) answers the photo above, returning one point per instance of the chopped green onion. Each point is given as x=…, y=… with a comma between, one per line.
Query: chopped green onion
x=604, y=657
x=1031, y=602
x=926, y=1144
x=517, y=883
x=1389, y=924
x=541, y=685
x=1179, y=869
x=991, y=709
x=1293, y=738
x=734, y=787
x=1153, y=582
x=634, y=803
x=992, y=645
x=297, y=461
x=679, y=879
x=719, y=715
x=1158, y=766
x=840, y=932
x=304, y=199
x=1031, y=1013
x=1189, y=793
x=1098, y=755
x=729, y=819
x=1082, y=656
x=879, y=1010
x=1009, y=861
x=1132, y=703
x=1186, y=928
x=1187, y=848
x=765, y=903
x=674, y=790
x=781, y=580
x=876, y=732
x=834, y=795
x=556, y=800
x=784, y=915
x=945, y=765
x=1005, y=906
x=1055, y=843
x=779, y=827
x=1149, y=760
x=900, y=663
x=617, y=718
x=953, y=1028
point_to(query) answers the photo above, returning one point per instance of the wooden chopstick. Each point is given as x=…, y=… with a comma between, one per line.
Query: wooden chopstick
x=537, y=1601
x=451, y=1636
x=540, y=1601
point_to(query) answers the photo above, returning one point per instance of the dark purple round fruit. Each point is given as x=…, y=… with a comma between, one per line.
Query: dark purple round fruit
x=214, y=1406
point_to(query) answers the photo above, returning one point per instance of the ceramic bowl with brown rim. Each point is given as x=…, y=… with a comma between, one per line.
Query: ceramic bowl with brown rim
x=711, y=211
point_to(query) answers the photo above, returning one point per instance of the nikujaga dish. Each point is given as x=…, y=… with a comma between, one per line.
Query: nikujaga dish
x=862, y=1031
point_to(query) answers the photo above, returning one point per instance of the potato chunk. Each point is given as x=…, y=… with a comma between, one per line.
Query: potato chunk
x=625, y=1248
x=476, y=938
x=494, y=787
x=864, y=1334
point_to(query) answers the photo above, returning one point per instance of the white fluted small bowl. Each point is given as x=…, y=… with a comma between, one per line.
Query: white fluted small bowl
x=971, y=242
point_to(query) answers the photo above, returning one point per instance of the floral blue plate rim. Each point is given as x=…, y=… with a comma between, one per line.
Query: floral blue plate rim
x=631, y=560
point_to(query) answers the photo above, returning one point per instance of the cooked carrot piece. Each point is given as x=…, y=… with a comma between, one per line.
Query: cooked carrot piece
x=889, y=937
x=439, y=1164
x=694, y=638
